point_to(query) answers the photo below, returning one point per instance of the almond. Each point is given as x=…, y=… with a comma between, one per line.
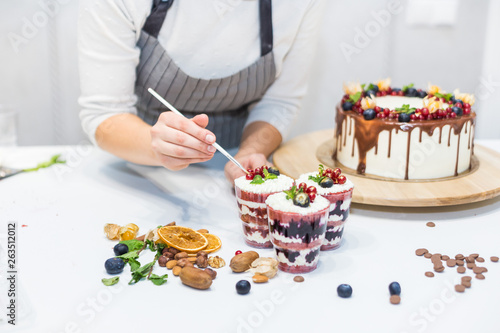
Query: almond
x=177, y=270
x=257, y=278
x=171, y=264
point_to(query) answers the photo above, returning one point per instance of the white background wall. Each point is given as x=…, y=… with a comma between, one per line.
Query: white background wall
x=451, y=43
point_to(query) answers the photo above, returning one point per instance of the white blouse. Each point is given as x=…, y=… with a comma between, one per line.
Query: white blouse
x=207, y=39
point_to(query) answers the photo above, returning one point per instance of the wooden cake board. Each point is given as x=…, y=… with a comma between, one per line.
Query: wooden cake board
x=302, y=154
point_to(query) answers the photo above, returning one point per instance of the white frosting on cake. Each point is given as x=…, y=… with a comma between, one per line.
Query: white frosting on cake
x=393, y=102
x=279, y=202
x=269, y=186
x=300, y=260
x=336, y=188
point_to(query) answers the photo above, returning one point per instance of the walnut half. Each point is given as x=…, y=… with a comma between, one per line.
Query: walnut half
x=216, y=262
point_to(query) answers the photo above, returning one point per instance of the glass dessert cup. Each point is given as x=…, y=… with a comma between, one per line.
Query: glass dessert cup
x=296, y=237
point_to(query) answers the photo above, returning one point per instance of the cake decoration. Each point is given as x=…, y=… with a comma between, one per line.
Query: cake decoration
x=406, y=133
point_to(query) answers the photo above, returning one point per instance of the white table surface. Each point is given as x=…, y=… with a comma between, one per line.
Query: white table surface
x=62, y=249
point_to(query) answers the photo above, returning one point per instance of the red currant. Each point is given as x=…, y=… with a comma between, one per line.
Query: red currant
x=249, y=176
x=311, y=189
x=394, y=93
x=466, y=111
x=266, y=167
x=413, y=117
x=329, y=175
x=358, y=103
x=466, y=105
x=380, y=115
x=328, y=170
x=459, y=105
x=425, y=111
x=237, y=252
x=336, y=172
x=302, y=186
x=312, y=196
x=401, y=93
x=342, y=179
x=387, y=111
x=377, y=109
x=378, y=94
x=453, y=115
x=384, y=93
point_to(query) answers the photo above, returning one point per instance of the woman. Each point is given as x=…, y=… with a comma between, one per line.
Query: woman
x=237, y=69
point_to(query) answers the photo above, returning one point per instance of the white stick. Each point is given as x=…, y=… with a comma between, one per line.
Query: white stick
x=215, y=144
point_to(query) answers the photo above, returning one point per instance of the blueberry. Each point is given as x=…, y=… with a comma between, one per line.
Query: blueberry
x=273, y=170
x=404, y=117
x=344, y=290
x=411, y=92
x=120, y=249
x=396, y=89
x=371, y=93
x=457, y=110
x=452, y=100
x=347, y=106
x=326, y=182
x=395, y=288
x=421, y=94
x=301, y=199
x=458, y=101
x=243, y=287
x=369, y=114
x=114, y=265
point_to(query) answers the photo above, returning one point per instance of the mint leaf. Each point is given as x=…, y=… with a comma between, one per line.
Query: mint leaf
x=405, y=88
x=363, y=86
x=53, y=160
x=134, y=264
x=291, y=193
x=371, y=86
x=355, y=97
x=133, y=244
x=111, y=281
x=316, y=178
x=130, y=255
x=268, y=175
x=158, y=280
x=141, y=273
x=447, y=97
x=257, y=180
x=405, y=109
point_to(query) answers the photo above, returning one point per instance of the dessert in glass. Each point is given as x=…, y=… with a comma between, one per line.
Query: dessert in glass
x=335, y=187
x=297, y=225
x=252, y=191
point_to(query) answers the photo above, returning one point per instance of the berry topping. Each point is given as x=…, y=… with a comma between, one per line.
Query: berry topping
x=411, y=92
x=369, y=114
x=326, y=182
x=395, y=288
x=243, y=287
x=336, y=172
x=344, y=290
x=274, y=170
x=237, y=252
x=342, y=179
x=458, y=111
x=302, y=200
x=302, y=186
x=311, y=189
x=421, y=94
x=347, y=106
x=114, y=265
x=404, y=117
x=120, y=249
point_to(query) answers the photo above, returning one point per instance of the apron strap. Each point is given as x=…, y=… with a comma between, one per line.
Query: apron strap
x=266, y=26
x=155, y=19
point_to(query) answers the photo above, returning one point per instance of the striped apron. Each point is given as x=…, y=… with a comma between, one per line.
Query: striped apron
x=224, y=100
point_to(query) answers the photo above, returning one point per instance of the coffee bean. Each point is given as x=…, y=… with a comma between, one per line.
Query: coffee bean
x=460, y=262
x=494, y=259
x=430, y=224
x=480, y=259
x=298, y=278
x=421, y=252
x=451, y=262
x=459, y=256
x=445, y=257
x=474, y=255
x=428, y=255
x=429, y=274
x=480, y=276
x=395, y=299
x=461, y=269
x=459, y=288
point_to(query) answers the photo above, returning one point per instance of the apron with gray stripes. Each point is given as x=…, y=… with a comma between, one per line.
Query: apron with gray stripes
x=224, y=100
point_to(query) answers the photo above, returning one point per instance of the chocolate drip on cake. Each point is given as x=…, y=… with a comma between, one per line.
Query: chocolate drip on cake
x=367, y=132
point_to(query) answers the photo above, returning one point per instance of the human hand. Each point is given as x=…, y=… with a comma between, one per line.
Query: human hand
x=177, y=141
x=250, y=161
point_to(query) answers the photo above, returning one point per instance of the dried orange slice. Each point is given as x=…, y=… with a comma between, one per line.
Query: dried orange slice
x=214, y=243
x=183, y=238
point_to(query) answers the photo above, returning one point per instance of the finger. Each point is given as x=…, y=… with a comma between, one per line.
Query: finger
x=187, y=126
x=180, y=138
x=200, y=120
x=177, y=151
